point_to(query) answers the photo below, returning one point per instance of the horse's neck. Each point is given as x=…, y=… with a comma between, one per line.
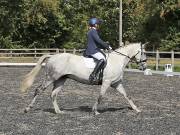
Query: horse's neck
x=128, y=51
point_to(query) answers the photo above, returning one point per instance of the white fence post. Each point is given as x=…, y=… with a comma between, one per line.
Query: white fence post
x=35, y=51
x=64, y=49
x=57, y=50
x=11, y=53
x=129, y=65
x=172, y=59
x=157, y=60
x=74, y=51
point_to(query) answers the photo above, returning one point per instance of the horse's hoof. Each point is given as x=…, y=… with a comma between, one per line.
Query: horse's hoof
x=138, y=111
x=96, y=113
x=59, y=112
x=26, y=110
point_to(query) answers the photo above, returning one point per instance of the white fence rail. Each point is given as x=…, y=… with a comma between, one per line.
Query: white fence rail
x=35, y=52
x=155, y=58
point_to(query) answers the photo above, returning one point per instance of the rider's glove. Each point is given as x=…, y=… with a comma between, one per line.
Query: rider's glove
x=109, y=48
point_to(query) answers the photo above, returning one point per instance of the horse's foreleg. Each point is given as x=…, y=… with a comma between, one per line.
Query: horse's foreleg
x=57, y=87
x=121, y=89
x=104, y=87
x=38, y=90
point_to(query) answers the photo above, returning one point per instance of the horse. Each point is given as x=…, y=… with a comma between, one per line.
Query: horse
x=59, y=67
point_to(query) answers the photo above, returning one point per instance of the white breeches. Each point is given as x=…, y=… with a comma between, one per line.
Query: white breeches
x=98, y=56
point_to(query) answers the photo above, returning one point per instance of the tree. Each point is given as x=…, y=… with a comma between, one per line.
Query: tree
x=64, y=23
x=45, y=24
x=9, y=16
x=170, y=14
x=30, y=23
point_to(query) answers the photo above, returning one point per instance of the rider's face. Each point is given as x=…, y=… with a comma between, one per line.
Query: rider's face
x=97, y=26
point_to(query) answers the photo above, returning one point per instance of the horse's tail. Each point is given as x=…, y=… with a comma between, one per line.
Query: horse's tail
x=29, y=78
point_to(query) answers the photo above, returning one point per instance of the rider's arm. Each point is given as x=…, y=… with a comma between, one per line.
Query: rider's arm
x=100, y=42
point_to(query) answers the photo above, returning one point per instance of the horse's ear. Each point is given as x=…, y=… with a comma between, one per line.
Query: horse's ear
x=144, y=45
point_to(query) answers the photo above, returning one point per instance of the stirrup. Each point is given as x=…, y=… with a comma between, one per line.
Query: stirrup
x=93, y=79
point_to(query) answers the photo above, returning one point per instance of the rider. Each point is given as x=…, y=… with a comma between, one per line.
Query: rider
x=93, y=48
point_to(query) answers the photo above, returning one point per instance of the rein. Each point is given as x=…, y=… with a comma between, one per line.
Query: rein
x=122, y=54
x=127, y=55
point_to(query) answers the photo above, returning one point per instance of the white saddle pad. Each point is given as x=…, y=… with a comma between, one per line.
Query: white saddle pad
x=89, y=62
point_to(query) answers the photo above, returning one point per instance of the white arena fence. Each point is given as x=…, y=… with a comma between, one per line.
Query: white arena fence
x=28, y=57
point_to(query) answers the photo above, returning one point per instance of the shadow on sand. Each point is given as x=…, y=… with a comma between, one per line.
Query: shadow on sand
x=89, y=109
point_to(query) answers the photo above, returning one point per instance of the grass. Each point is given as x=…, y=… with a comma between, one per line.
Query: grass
x=160, y=68
x=163, y=61
x=152, y=65
x=19, y=59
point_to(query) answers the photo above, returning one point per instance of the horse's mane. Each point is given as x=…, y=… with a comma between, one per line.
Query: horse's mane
x=122, y=47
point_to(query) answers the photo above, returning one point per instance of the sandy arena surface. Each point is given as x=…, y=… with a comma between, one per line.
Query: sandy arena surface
x=157, y=96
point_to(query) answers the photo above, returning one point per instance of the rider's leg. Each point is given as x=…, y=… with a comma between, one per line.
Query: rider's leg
x=96, y=70
x=100, y=64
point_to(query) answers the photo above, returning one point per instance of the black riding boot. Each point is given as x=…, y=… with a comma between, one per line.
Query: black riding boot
x=93, y=77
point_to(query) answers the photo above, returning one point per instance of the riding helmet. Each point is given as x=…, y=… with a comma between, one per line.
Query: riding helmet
x=94, y=21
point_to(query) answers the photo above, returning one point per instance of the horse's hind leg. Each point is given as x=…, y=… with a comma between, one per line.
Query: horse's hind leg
x=38, y=90
x=58, y=84
x=121, y=89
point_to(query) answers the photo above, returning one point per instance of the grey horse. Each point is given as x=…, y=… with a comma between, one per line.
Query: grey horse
x=59, y=67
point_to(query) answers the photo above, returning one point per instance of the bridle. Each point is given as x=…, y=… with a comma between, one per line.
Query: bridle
x=132, y=58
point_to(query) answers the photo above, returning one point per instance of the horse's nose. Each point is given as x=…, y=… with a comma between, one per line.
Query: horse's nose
x=142, y=66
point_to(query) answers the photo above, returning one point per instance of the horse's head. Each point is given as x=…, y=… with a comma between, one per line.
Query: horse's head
x=135, y=52
x=140, y=56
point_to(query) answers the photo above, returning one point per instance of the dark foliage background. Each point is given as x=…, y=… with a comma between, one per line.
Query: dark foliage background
x=64, y=23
